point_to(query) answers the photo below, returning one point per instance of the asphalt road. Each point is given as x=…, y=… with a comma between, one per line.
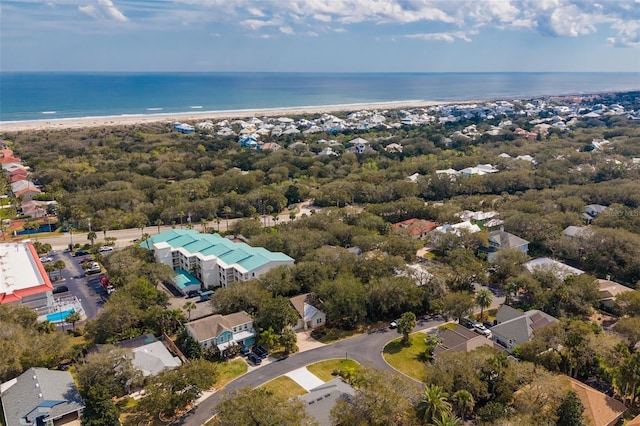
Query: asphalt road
x=125, y=237
x=365, y=349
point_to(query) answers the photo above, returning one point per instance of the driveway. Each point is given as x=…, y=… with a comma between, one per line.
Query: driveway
x=305, y=378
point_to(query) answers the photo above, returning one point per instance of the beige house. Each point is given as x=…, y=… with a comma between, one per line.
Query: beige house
x=609, y=290
x=223, y=330
x=310, y=316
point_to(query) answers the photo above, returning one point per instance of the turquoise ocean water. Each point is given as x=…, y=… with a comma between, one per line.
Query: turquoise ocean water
x=37, y=96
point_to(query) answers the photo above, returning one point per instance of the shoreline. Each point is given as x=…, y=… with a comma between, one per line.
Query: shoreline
x=137, y=119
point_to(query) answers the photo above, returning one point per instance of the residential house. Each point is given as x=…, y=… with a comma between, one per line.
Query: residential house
x=223, y=330
x=560, y=269
x=503, y=240
x=609, y=290
x=212, y=259
x=592, y=211
x=393, y=147
x=458, y=228
x=150, y=356
x=25, y=189
x=599, y=409
x=41, y=397
x=416, y=228
x=268, y=146
x=320, y=400
x=515, y=328
x=36, y=209
x=576, y=231
x=359, y=145
x=459, y=339
x=183, y=128
x=310, y=316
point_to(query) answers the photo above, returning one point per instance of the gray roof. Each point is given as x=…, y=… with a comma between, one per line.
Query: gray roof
x=39, y=393
x=506, y=240
x=576, y=231
x=521, y=328
x=319, y=401
x=151, y=359
x=460, y=339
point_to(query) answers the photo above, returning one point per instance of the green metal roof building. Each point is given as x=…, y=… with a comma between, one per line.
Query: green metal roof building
x=212, y=259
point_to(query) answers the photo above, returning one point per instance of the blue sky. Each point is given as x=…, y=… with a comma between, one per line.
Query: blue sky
x=320, y=35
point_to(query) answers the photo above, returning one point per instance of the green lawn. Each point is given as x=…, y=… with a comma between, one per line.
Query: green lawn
x=323, y=369
x=285, y=387
x=330, y=335
x=230, y=370
x=406, y=359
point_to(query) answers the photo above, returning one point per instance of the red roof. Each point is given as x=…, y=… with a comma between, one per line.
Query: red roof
x=416, y=227
x=46, y=285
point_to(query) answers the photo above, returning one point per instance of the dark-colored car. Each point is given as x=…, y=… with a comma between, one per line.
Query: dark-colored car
x=255, y=359
x=61, y=289
x=193, y=293
x=81, y=253
x=245, y=351
x=260, y=351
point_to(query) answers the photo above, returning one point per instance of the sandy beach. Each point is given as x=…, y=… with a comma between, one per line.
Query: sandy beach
x=124, y=120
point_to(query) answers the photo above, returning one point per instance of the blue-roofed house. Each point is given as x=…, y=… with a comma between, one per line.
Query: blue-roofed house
x=213, y=260
x=41, y=397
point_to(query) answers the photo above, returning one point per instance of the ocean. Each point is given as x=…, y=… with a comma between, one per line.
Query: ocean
x=37, y=96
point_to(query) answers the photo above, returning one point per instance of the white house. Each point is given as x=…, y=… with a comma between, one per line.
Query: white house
x=310, y=316
x=214, y=260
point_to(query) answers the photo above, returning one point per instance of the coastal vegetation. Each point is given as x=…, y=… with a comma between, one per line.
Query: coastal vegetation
x=362, y=271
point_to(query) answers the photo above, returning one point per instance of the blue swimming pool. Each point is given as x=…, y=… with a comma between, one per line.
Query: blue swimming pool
x=60, y=316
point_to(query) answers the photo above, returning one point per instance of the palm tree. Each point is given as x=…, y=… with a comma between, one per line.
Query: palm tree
x=227, y=211
x=510, y=289
x=269, y=338
x=159, y=223
x=189, y=306
x=483, y=299
x=49, y=268
x=463, y=403
x=448, y=419
x=73, y=318
x=92, y=237
x=433, y=404
x=59, y=265
x=204, y=223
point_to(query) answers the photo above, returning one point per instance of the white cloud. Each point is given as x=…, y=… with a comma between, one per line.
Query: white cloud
x=312, y=34
x=103, y=9
x=255, y=12
x=286, y=30
x=326, y=18
x=448, y=37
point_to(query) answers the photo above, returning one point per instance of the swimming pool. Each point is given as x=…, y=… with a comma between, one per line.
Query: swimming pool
x=60, y=316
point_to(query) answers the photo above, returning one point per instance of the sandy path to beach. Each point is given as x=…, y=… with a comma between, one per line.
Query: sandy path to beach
x=76, y=123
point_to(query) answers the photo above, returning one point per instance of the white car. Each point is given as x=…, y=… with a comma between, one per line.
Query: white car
x=45, y=259
x=393, y=325
x=105, y=248
x=481, y=329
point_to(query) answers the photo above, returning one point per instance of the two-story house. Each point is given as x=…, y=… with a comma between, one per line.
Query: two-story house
x=503, y=240
x=223, y=330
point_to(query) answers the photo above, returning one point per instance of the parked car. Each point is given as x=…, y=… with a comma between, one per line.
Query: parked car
x=245, y=351
x=105, y=249
x=193, y=293
x=255, y=359
x=260, y=351
x=393, y=325
x=81, y=253
x=481, y=329
x=60, y=289
x=45, y=259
